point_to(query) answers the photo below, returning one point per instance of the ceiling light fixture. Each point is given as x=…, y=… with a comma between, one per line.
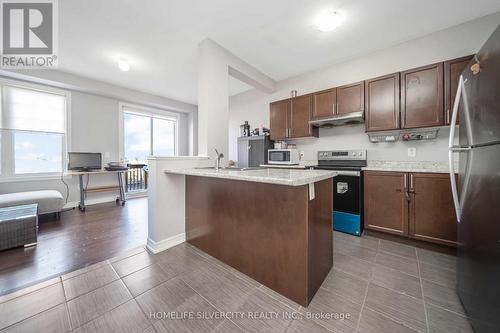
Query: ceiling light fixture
x=328, y=20
x=123, y=64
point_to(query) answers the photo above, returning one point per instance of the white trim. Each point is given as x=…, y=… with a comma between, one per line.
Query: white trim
x=136, y=194
x=149, y=111
x=165, y=244
x=35, y=177
x=92, y=201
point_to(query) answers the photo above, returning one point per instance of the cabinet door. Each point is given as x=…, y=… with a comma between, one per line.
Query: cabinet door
x=279, y=113
x=382, y=103
x=452, y=70
x=422, y=97
x=386, y=204
x=256, y=152
x=432, y=215
x=324, y=103
x=300, y=115
x=243, y=147
x=351, y=98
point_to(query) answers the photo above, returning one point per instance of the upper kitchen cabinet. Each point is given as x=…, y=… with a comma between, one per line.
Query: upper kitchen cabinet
x=324, y=103
x=279, y=122
x=382, y=103
x=290, y=118
x=300, y=115
x=422, y=97
x=351, y=98
x=452, y=70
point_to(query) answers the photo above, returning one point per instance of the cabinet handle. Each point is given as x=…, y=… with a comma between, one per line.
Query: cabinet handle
x=337, y=111
x=447, y=116
x=405, y=184
x=411, y=183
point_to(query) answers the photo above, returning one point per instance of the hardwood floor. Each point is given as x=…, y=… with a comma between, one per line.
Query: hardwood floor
x=75, y=241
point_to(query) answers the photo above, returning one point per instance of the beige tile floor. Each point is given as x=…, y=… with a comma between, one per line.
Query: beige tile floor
x=374, y=286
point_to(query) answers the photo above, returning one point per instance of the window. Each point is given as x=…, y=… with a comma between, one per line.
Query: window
x=32, y=131
x=148, y=132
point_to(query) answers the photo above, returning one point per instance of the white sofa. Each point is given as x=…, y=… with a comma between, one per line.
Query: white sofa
x=49, y=201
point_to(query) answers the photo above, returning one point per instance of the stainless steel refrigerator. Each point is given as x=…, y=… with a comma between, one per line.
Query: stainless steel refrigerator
x=477, y=193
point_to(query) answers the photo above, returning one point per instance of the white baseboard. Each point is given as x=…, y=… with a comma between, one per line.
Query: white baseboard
x=136, y=194
x=109, y=198
x=92, y=201
x=165, y=244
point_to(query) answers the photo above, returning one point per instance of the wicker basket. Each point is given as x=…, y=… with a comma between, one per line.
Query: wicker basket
x=18, y=226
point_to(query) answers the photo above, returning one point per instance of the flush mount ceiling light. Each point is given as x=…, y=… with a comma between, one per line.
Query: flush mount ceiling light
x=123, y=64
x=328, y=20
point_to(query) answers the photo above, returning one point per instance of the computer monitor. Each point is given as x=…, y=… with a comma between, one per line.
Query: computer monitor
x=84, y=161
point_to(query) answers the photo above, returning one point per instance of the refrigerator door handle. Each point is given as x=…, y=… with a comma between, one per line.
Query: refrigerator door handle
x=453, y=148
x=453, y=180
x=454, y=115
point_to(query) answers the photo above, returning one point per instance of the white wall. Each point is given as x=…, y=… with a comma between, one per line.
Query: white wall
x=94, y=128
x=454, y=42
x=215, y=64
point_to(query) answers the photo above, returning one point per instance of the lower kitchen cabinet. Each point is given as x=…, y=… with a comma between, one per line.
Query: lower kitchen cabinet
x=431, y=212
x=414, y=205
x=386, y=206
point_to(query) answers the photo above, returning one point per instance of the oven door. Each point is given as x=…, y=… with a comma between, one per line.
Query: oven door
x=347, y=203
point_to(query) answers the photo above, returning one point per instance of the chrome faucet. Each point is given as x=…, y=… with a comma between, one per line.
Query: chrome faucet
x=219, y=156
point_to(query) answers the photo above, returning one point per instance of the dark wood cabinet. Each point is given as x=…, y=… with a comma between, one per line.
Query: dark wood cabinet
x=324, y=103
x=422, y=97
x=431, y=214
x=279, y=119
x=416, y=98
x=382, y=103
x=301, y=113
x=351, y=98
x=385, y=202
x=416, y=205
x=452, y=70
x=290, y=118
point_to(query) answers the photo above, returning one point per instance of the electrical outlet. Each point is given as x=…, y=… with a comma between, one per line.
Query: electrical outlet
x=412, y=152
x=107, y=154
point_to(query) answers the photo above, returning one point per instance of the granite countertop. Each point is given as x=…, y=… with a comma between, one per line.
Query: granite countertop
x=291, y=177
x=409, y=166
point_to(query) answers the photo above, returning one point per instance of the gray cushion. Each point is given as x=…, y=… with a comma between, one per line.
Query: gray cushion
x=48, y=201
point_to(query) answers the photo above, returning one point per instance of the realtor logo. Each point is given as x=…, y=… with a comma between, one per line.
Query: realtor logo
x=29, y=34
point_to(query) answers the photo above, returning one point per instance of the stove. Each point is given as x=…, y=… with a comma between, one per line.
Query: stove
x=347, y=215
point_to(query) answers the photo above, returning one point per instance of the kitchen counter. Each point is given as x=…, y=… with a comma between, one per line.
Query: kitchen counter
x=409, y=166
x=291, y=177
x=281, y=236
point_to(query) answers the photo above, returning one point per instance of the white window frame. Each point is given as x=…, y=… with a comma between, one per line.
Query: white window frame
x=149, y=112
x=8, y=164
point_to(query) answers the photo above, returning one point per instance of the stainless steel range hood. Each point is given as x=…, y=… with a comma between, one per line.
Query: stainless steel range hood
x=341, y=119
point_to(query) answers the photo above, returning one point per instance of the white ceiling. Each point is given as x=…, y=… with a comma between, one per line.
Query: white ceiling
x=159, y=37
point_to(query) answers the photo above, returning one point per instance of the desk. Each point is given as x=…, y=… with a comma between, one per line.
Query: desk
x=84, y=190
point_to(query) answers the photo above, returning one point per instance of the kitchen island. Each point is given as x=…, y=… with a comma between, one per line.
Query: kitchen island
x=273, y=225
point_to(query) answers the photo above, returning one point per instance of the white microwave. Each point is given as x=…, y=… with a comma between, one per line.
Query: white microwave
x=283, y=156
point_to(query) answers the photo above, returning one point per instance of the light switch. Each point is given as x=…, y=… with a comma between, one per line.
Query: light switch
x=412, y=152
